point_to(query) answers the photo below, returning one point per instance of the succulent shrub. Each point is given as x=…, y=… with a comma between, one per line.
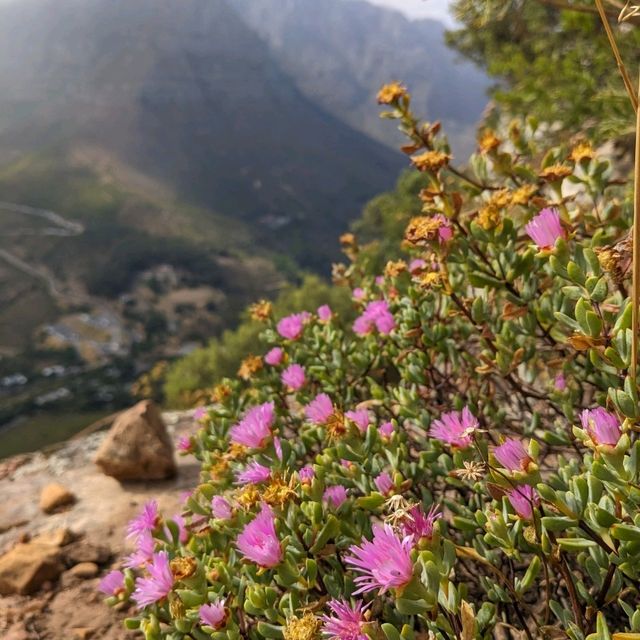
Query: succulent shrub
x=461, y=461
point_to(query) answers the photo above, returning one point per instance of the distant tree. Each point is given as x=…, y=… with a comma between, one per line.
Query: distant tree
x=551, y=60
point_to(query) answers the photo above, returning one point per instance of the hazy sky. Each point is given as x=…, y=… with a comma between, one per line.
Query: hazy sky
x=420, y=8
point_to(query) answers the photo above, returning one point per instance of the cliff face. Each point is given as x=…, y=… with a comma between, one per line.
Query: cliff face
x=66, y=552
x=340, y=52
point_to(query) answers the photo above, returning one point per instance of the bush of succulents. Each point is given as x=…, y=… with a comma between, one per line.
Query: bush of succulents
x=459, y=462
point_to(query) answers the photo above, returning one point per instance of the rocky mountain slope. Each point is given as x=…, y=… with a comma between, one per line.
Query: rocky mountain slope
x=339, y=52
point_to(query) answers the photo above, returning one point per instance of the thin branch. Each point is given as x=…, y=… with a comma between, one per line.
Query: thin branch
x=628, y=85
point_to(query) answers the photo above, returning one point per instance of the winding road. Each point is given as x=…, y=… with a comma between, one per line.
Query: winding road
x=62, y=228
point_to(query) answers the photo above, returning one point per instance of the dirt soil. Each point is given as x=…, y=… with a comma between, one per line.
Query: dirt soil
x=71, y=608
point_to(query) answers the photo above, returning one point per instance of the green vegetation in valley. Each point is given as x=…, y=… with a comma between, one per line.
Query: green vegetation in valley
x=222, y=356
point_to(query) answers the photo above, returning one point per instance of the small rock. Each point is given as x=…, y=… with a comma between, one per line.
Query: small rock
x=83, y=551
x=82, y=633
x=85, y=570
x=54, y=497
x=56, y=538
x=16, y=632
x=137, y=446
x=28, y=566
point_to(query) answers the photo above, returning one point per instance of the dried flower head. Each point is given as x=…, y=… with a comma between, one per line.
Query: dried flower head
x=261, y=310
x=394, y=268
x=390, y=93
x=220, y=392
x=430, y=161
x=249, y=496
x=488, y=141
x=183, y=567
x=304, y=628
x=582, y=151
x=249, y=367
x=490, y=215
x=522, y=195
x=279, y=492
x=616, y=259
x=555, y=172
x=423, y=230
x=471, y=471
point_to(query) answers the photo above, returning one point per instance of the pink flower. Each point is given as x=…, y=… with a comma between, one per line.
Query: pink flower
x=159, y=583
x=421, y=524
x=293, y=377
x=545, y=228
x=416, y=266
x=445, y=232
x=146, y=520
x=379, y=281
x=143, y=554
x=324, y=313
x=277, y=445
x=523, y=499
x=255, y=428
x=360, y=417
x=386, y=429
x=335, y=495
x=112, y=584
x=602, y=426
x=346, y=623
x=184, y=444
x=455, y=428
x=213, y=614
x=220, y=508
x=512, y=455
x=253, y=473
x=274, y=357
x=320, y=409
x=199, y=413
x=385, y=562
x=362, y=326
x=560, y=383
x=384, y=483
x=306, y=474
x=358, y=293
x=258, y=541
x=291, y=327
x=376, y=314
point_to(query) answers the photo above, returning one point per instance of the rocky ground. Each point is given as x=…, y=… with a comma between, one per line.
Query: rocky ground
x=54, y=560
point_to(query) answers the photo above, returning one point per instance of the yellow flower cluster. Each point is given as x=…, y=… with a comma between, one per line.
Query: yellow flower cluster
x=261, y=310
x=422, y=230
x=430, y=160
x=391, y=93
x=305, y=628
x=250, y=366
x=490, y=216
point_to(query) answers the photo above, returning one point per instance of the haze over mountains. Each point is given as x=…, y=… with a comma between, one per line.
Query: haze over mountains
x=195, y=155
x=340, y=52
